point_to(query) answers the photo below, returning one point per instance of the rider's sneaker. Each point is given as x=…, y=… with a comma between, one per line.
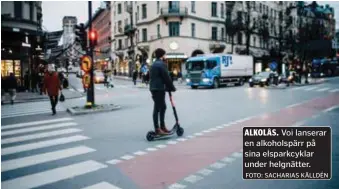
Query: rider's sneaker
x=160, y=132
x=165, y=129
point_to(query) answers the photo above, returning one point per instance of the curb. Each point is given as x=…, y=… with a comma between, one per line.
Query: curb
x=83, y=112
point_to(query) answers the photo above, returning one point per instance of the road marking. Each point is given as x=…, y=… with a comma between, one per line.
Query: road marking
x=334, y=90
x=217, y=165
x=205, y=172
x=39, y=135
x=181, y=139
x=114, y=161
x=193, y=178
x=172, y=142
x=54, y=175
x=220, y=127
x=310, y=88
x=29, y=113
x=140, y=153
x=176, y=186
x=299, y=88
x=237, y=154
x=42, y=144
x=71, y=89
x=80, y=89
x=127, y=157
x=190, y=136
x=214, y=129
x=161, y=146
x=151, y=149
x=293, y=105
x=206, y=131
x=44, y=158
x=331, y=108
x=12, y=126
x=198, y=134
x=102, y=185
x=228, y=159
x=25, y=130
x=323, y=89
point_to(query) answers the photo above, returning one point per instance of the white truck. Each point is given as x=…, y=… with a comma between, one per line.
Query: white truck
x=214, y=70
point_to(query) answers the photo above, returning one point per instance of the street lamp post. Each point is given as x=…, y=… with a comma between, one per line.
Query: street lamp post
x=130, y=33
x=90, y=92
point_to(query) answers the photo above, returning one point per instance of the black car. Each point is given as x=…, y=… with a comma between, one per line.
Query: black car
x=262, y=79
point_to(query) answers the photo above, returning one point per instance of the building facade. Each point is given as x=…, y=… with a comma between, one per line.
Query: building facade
x=185, y=29
x=102, y=24
x=22, y=37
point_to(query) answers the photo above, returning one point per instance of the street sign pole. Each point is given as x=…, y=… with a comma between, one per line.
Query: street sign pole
x=90, y=92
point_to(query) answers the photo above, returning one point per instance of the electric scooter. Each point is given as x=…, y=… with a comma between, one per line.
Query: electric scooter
x=151, y=135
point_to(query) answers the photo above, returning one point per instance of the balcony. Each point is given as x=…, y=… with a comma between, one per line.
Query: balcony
x=180, y=12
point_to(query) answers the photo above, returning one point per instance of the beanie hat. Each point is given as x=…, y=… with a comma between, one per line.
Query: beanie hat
x=159, y=53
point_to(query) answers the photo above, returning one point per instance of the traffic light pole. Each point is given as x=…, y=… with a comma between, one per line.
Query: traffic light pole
x=90, y=91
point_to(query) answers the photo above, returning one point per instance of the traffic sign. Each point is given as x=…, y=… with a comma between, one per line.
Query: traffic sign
x=86, y=63
x=273, y=66
x=86, y=80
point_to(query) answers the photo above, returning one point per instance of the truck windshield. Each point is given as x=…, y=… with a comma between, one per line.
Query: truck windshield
x=195, y=65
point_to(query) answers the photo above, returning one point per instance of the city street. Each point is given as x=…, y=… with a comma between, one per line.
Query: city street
x=109, y=150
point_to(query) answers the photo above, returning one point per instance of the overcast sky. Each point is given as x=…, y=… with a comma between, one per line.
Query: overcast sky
x=54, y=11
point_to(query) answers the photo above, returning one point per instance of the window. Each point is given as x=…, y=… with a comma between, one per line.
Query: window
x=214, y=9
x=144, y=35
x=229, y=15
x=174, y=28
x=223, y=34
x=254, y=41
x=193, y=6
x=126, y=43
x=125, y=6
x=31, y=10
x=18, y=9
x=119, y=8
x=138, y=12
x=158, y=31
x=126, y=21
x=158, y=7
x=222, y=10
x=144, y=11
x=120, y=44
x=210, y=64
x=260, y=8
x=119, y=25
x=214, y=33
x=239, y=38
x=239, y=16
x=136, y=17
x=193, y=29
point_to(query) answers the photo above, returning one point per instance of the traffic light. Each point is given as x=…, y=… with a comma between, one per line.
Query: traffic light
x=81, y=35
x=93, y=37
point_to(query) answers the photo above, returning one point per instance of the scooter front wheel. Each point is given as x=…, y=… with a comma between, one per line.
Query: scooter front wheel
x=180, y=131
x=150, y=135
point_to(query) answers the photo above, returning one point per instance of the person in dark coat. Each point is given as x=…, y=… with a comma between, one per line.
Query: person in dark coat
x=12, y=85
x=160, y=82
x=135, y=76
x=52, y=86
x=26, y=81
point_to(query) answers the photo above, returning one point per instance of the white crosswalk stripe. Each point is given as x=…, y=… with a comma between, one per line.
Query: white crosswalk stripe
x=41, y=135
x=323, y=89
x=31, y=108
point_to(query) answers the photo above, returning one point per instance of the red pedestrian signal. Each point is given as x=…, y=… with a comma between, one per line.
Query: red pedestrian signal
x=93, y=37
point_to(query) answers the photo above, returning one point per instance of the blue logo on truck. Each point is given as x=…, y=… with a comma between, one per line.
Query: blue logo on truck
x=226, y=60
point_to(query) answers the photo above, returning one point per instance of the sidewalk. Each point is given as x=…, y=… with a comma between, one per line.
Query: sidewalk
x=24, y=97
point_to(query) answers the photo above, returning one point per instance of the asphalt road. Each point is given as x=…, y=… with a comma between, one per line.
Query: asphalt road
x=109, y=150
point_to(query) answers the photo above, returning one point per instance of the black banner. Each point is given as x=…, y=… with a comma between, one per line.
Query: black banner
x=302, y=153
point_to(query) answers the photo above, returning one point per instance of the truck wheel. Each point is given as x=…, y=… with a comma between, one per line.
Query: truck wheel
x=215, y=83
x=194, y=87
x=241, y=82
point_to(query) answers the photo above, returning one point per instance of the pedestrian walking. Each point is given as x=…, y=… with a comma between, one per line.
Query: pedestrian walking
x=12, y=86
x=135, y=76
x=180, y=79
x=53, y=86
x=147, y=77
x=160, y=82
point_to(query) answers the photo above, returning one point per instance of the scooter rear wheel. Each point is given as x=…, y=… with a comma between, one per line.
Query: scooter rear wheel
x=180, y=131
x=150, y=135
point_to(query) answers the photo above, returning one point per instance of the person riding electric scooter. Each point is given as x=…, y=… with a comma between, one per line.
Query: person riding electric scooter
x=160, y=82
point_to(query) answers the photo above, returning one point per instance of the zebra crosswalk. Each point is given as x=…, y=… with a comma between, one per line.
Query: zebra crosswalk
x=316, y=89
x=29, y=136
x=30, y=108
